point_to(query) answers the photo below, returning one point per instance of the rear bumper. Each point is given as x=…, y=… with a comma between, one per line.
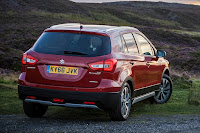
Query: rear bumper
x=106, y=85
x=104, y=100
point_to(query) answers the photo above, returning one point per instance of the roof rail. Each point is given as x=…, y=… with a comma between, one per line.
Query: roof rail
x=120, y=27
x=65, y=25
x=115, y=28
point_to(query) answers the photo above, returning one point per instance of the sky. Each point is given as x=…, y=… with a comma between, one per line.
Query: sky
x=195, y=2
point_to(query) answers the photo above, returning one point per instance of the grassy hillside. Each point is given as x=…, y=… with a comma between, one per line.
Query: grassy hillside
x=171, y=27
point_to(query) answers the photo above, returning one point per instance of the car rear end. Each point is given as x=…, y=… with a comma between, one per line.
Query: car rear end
x=69, y=68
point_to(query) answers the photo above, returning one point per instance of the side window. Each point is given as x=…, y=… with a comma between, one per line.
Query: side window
x=124, y=44
x=144, y=44
x=130, y=43
x=118, y=41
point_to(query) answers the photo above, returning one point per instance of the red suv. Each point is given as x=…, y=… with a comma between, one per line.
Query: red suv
x=92, y=66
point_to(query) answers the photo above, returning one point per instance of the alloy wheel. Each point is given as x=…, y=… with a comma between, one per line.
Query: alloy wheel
x=164, y=91
x=125, y=102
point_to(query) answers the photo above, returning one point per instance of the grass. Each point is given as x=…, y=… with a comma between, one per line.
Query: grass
x=189, y=33
x=107, y=18
x=196, y=54
x=9, y=101
x=94, y=18
x=194, y=95
x=178, y=103
x=10, y=13
x=193, y=34
x=154, y=21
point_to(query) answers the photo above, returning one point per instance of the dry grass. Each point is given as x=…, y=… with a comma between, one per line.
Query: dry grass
x=9, y=78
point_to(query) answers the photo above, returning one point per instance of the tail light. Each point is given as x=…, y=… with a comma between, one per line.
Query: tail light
x=110, y=64
x=28, y=59
x=58, y=100
x=97, y=66
x=107, y=65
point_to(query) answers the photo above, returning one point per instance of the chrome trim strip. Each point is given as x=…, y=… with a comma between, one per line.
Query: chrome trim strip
x=114, y=92
x=147, y=86
x=72, y=105
x=124, y=27
x=30, y=67
x=97, y=73
x=93, y=81
x=145, y=96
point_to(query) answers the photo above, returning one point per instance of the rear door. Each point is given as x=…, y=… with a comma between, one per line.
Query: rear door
x=137, y=62
x=154, y=68
x=63, y=59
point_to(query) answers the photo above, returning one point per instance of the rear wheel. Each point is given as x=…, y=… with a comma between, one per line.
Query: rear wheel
x=34, y=110
x=123, y=108
x=165, y=90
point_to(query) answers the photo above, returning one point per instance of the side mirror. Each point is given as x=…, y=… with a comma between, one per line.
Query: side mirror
x=161, y=53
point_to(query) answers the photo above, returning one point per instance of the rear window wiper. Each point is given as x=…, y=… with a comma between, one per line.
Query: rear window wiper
x=73, y=52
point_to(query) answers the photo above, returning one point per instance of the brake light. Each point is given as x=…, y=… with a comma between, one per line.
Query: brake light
x=31, y=97
x=110, y=64
x=28, y=59
x=107, y=65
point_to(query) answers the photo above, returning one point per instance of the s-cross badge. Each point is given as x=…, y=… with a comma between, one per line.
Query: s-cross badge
x=62, y=61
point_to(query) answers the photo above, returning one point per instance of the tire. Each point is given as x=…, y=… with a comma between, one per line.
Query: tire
x=123, y=108
x=164, y=92
x=34, y=110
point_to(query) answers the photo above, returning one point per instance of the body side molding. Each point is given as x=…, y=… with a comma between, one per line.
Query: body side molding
x=145, y=96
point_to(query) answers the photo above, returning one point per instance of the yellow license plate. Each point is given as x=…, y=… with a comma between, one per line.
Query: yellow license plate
x=62, y=70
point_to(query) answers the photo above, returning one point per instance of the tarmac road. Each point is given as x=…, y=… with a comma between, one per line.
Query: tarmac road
x=59, y=124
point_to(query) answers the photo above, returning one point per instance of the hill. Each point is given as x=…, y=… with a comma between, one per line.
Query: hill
x=171, y=27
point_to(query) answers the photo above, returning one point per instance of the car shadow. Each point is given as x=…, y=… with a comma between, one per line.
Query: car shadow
x=85, y=114
x=76, y=114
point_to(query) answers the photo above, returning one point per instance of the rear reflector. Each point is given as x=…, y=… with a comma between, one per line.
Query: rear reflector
x=89, y=102
x=107, y=65
x=58, y=100
x=28, y=59
x=31, y=97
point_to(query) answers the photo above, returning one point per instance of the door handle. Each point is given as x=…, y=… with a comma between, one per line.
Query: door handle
x=132, y=62
x=148, y=64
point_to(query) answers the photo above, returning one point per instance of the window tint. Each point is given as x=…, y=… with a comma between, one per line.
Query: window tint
x=130, y=43
x=61, y=43
x=145, y=46
x=118, y=41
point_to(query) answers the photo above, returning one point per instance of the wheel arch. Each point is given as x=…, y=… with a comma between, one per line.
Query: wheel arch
x=166, y=71
x=130, y=81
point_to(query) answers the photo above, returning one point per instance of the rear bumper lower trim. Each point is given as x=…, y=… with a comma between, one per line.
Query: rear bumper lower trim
x=59, y=104
x=103, y=100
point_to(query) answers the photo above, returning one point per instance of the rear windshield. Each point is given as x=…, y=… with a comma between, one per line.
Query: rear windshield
x=72, y=44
